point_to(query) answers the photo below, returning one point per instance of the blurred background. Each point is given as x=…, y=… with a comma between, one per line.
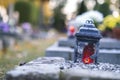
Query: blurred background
x=28, y=27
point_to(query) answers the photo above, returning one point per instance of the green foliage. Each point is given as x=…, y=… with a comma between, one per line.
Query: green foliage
x=34, y=15
x=28, y=11
x=24, y=9
x=103, y=8
x=59, y=18
x=81, y=8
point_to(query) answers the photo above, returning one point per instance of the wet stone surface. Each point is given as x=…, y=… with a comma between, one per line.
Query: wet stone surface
x=50, y=68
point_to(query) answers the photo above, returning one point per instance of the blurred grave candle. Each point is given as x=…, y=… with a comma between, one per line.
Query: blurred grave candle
x=71, y=31
x=87, y=43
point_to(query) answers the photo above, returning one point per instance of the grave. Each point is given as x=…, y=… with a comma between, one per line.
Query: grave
x=105, y=43
x=57, y=68
x=46, y=68
x=56, y=51
x=105, y=55
x=109, y=49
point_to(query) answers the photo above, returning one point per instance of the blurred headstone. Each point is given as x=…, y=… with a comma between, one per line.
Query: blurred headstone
x=105, y=43
x=109, y=55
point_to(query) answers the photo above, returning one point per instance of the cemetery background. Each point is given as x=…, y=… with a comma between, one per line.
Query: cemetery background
x=30, y=49
x=23, y=52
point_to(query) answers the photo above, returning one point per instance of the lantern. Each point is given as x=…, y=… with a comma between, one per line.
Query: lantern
x=87, y=43
x=71, y=31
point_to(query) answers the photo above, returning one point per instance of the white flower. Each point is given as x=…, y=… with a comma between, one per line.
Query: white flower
x=94, y=15
x=81, y=19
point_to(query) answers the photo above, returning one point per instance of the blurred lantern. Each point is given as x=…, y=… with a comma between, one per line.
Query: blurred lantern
x=87, y=40
x=71, y=31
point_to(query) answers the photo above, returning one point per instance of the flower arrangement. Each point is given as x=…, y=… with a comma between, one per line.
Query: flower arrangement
x=110, y=22
x=93, y=15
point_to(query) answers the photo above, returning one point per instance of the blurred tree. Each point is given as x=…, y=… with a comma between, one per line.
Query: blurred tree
x=103, y=8
x=81, y=8
x=28, y=11
x=34, y=15
x=24, y=8
x=59, y=18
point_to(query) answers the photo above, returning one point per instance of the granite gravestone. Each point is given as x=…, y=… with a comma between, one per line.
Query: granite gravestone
x=105, y=43
x=105, y=55
x=57, y=68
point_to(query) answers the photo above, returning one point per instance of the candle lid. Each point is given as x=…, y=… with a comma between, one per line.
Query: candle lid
x=88, y=32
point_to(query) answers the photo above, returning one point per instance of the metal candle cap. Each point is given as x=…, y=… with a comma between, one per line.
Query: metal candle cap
x=88, y=32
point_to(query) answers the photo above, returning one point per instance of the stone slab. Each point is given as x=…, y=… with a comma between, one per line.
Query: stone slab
x=84, y=74
x=40, y=69
x=105, y=55
x=109, y=43
x=66, y=42
x=56, y=68
x=55, y=51
x=105, y=43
